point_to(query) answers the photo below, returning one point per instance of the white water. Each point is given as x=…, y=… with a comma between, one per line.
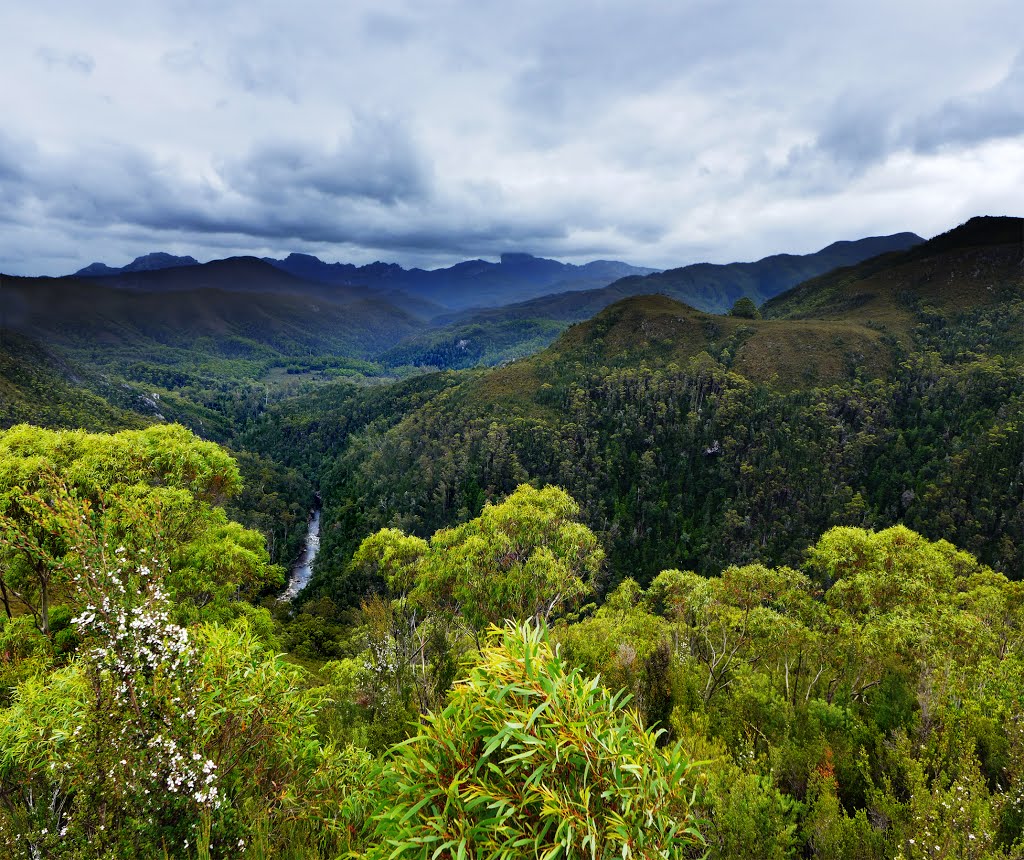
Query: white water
x=303, y=569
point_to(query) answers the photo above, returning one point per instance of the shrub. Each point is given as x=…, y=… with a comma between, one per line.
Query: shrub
x=531, y=760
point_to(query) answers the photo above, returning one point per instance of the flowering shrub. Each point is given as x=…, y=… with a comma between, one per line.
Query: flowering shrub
x=156, y=740
x=122, y=764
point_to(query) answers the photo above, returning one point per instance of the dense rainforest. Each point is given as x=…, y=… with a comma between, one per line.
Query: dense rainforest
x=681, y=584
x=699, y=440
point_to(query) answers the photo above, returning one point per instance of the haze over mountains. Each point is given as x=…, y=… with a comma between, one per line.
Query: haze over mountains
x=555, y=290
x=472, y=283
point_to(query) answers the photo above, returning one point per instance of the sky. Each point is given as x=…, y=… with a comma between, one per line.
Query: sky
x=423, y=133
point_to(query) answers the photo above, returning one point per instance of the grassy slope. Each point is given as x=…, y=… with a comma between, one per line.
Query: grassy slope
x=657, y=331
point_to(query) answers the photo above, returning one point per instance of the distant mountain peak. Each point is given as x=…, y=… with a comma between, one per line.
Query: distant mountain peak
x=512, y=258
x=159, y=260
x=907, y=238
x=146, y=263
x=95, y=270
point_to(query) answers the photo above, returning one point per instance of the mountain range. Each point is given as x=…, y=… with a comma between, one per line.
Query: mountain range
x=520, y=285
x=187, y=329
x=472, y=283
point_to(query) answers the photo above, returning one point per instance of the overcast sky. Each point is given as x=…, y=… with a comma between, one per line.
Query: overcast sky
x=660, y=133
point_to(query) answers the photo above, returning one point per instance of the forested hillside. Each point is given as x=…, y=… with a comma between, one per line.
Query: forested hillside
x=701, y=441
x=865, y=704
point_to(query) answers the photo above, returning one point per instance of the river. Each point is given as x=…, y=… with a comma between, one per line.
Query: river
x=303, y=568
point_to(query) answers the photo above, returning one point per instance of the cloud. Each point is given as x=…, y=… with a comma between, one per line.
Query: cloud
x=388, y=27
x=659, y=131
x=183, y=60
x=857, y=132
x=989, y=114
x=78, y=62
x=376, y=161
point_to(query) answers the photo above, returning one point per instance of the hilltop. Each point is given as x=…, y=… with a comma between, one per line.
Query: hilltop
x=976, y=264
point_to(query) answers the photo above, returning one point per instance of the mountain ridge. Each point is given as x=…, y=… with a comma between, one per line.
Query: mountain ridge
x=146, y=263
x=708, y=287
x=470, y=283
x=519, y=286
x=978, y=263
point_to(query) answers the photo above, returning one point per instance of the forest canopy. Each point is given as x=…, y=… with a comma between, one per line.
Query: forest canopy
x=864, y=703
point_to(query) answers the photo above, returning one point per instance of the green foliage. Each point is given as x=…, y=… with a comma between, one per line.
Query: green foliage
x=532, y=759
x=37, y=387
x=631, y=650
x=871, y=709
x=26, y=653
x=853, y=693
x=157, y=739
x=161, y=484
x=165, y=455
x=745, y=308
x=274, y=500
x=522, y=558
x=689, y=464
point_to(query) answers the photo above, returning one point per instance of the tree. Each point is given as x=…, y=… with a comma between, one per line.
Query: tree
x=744, y=307
x=161, y=479
x=522, y=558
x=629, y=647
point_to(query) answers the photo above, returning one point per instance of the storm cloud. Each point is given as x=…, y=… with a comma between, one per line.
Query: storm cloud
x=662, y=133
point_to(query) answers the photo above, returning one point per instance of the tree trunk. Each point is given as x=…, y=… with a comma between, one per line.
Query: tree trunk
x=44, y=602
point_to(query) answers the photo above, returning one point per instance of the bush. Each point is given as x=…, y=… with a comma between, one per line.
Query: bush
x=529, y=759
